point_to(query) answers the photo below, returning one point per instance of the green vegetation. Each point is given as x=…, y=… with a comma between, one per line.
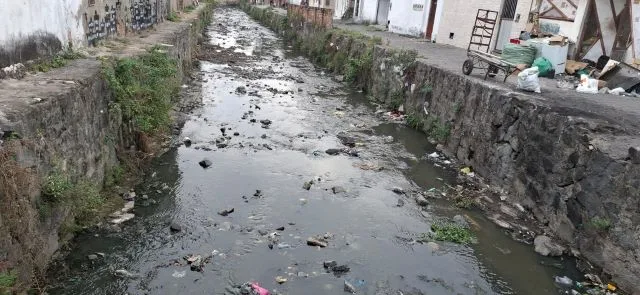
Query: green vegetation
x=396, y=99
x=359, y=67
x=55, y=187
x=437, y=130
x=57, y=61
x=189, y=8
x=405, y=57
x=601, y=224
x=144, y=87
x=426, y=89
x=414, y=121
x=114, y=176
x=8, y=279
x=173, y=17
x=456, y=107
x=464, y=202
x=451, y=232
x=83, y=197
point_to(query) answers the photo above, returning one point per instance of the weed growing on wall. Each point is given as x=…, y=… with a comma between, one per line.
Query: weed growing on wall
x=7, y=280
x=173, y=17
x=57, y=61
x=359, y=68
x=144, y=87
x=396, y=99
x=601, y=224
x=414, y=121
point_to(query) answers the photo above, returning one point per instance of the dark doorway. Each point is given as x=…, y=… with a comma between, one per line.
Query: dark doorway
x=432, y=19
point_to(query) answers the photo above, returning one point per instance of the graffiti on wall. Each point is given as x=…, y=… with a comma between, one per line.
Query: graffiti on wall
x=121, y=18
x=100, y=27
x=143, y=14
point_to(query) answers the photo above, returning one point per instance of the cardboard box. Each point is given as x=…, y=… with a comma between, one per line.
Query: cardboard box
x=558, y=40
x=573, y=66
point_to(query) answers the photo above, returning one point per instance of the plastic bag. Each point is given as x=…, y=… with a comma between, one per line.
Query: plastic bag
x=544, y=66
x=587, y=85
x=528, y=80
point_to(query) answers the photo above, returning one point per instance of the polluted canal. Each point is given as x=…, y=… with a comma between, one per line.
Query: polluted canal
x=296, y=183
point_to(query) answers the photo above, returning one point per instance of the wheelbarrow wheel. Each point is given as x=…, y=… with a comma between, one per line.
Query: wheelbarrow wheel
x=493, y=71
x=467, y=67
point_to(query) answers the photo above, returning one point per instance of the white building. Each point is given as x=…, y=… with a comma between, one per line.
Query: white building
x=371, y=11
x=418, y=18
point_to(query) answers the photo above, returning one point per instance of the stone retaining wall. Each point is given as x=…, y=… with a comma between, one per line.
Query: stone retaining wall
x=572, y=170
x=64, y=118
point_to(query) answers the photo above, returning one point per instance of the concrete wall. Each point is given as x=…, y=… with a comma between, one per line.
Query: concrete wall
x=33, y=28
x=340, y=7
x=460, y=21
x=30, y=28
x=367, y=11
x=407, y=20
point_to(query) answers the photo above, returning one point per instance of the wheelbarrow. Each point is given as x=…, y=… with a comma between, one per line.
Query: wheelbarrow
x=490, y=63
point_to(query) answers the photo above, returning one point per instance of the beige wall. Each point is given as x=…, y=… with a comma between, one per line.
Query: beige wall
x=460, y=21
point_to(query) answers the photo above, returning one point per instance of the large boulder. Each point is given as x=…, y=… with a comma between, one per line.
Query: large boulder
x=545, y=246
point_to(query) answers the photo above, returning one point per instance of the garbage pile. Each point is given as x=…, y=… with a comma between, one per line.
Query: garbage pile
x=607, y=76
x=592, y=285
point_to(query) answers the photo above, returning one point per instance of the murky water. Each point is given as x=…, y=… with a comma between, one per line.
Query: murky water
x=369, y=231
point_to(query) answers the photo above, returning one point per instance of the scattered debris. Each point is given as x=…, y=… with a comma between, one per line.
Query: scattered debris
x=281, y=280
x=348, y=287
x=338, y=189
x=317, y=242
x=226, y=212
x=175, y=227
x=124, y=273
x=206, y=163
x=398, y=190
x=307, y=185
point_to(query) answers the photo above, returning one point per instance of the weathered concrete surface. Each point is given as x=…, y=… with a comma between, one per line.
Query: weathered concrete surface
x=63, y=118
x=565, y=157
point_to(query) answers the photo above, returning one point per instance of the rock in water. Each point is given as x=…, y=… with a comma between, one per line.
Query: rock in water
x=307, y=185
x=124, y=273
x=422, y=201
x=349, y=288
x=398, y=190
x=316, y=242
x=175, y=227
x=206, y=163
x=461, y=221
x=545, y=246
x=347, y=140
x=332, y=152
x=338, y=189
x=329, y=264
x=226, y=212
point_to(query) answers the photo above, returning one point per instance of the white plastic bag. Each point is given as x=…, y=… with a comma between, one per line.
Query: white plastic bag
x=587, y=85
x=528, y=80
